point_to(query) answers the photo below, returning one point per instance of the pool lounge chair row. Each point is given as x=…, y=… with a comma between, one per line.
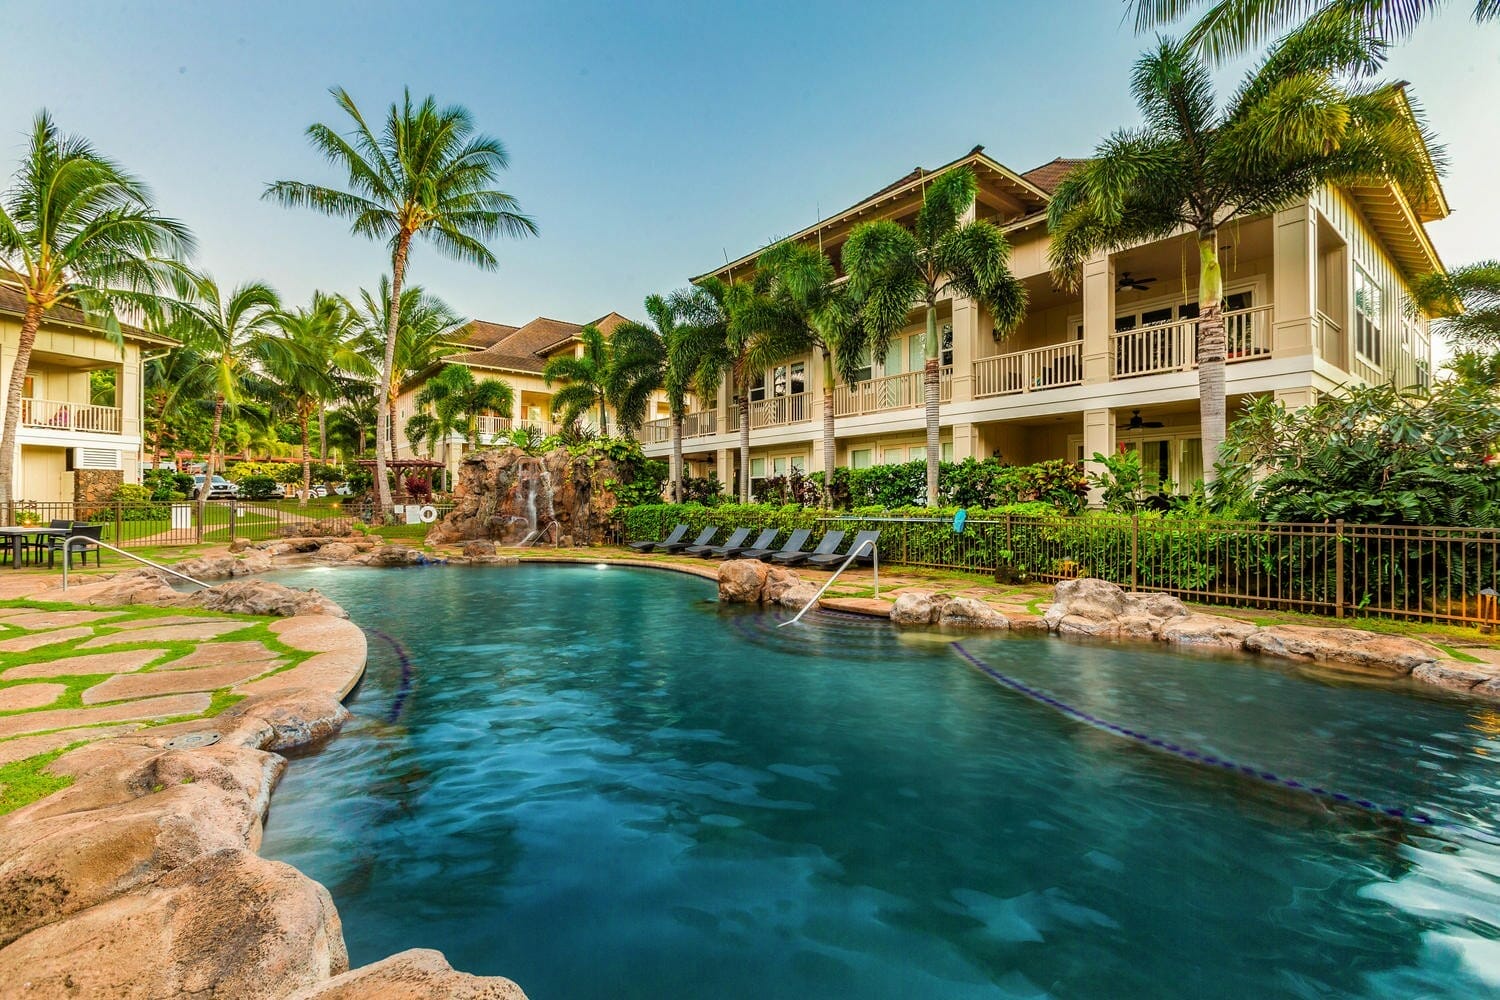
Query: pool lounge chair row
x=792, y=553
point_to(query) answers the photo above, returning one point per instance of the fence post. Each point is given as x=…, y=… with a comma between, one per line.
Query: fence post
x=119, y=528
x=1338, y=568
x=1135, y=550
x=234, y=510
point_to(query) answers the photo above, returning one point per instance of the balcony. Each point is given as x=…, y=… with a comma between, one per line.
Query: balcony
x=694, y=425
x=889, y=392
x=1029, y=371
x=1173, y=347
x=55, y=415
x=774, y=411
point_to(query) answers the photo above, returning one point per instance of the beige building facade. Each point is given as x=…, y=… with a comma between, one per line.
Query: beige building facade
x=514, y=354
x=81, y=405
x=1316, y=296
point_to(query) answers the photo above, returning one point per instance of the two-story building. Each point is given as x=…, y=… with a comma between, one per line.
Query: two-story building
x=1316, y=296
x=81, y=419
x=516, y=355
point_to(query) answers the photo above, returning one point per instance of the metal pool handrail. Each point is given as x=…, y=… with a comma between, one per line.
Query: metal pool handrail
x=67, y=551
x=874, y=551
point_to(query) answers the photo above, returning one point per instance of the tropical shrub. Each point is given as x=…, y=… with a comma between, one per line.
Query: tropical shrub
x=136, y=503
x=257, y=487
x=986, y=483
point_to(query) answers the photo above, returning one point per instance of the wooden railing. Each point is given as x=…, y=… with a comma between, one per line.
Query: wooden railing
x=700, y=424
x=1330, y=339
x=889, y=392
x=51, y=414
x=491, y=426
x=774, y=411
x=1172, y=347
x=1027, y=371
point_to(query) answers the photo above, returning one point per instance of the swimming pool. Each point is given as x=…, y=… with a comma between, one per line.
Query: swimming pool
x=601, y=784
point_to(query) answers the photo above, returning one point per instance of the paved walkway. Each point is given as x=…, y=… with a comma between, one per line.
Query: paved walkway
x=70, y=674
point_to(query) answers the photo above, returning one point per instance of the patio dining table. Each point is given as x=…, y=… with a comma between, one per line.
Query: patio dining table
x=16, y=536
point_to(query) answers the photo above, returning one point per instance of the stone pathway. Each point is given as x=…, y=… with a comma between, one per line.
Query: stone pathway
x=85, y=675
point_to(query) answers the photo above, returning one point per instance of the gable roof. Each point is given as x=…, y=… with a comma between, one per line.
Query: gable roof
x=13, y=303
x=523, y=348
x=1051, y=173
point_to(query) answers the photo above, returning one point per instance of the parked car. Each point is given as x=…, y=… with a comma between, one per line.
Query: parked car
x=219, y=489
x=343, y=490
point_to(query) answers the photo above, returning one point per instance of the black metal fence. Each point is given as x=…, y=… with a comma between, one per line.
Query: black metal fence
x=179, y=522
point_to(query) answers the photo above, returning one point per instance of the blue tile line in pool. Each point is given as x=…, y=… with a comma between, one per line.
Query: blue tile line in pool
x=403, y=689
x=1395, y=812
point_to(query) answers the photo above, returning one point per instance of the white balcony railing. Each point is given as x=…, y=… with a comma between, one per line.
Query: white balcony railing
x=700, y=424
x=1028, y=371
x=491, y=426
x=889, y=392
x=1171, y=347
x=51, y=414
x=774, y=411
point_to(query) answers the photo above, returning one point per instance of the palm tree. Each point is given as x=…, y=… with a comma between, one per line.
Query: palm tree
x=224, y=332
x=421, y=330
x=352, y=424
x=77, y=230
x=1295, y=123
x=451, y=402
x=304, y=368
x=893, y=270
x=584, y=378
x=810, y=309
x=427, y=174
x=643, y=363
x=1229, y=28
x=720, y=340
x=173, y=383
x=1468, y=299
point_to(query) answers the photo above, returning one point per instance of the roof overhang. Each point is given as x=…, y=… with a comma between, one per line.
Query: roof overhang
x=1023, y=190
x=1394, y=220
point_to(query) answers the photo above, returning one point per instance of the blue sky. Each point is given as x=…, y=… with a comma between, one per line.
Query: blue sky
x=648, y=140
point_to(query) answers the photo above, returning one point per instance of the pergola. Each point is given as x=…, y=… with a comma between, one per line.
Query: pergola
x=401, y=466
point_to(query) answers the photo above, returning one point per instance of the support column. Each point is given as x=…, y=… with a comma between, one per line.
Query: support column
x=725, y=469
x=1098, y=438
x=1296, y=399
x=1098, y=319
x=1294, y=270
x=966, y=348
x=965, y=442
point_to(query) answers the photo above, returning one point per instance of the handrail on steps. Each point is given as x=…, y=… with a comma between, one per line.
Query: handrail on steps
x=874, y=551
x=67, y=552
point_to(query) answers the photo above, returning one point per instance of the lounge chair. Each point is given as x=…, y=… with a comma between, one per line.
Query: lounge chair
x=675, y=536
x=827, y=546
x=793, y=544
x=704, y=538
x=837, y=558
x=765, y=539
x=737, y=538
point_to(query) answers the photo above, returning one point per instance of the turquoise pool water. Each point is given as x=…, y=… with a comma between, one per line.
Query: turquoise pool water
x=600, y=784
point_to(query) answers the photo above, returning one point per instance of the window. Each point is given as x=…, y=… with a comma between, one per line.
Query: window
x=1367, y=314
x=946, y=354
x=758, y=387
x=947, y=452
x=916, y=453
x=799, y=377
x=1190, y=468
x=893, y=456
x=1156, y=317
x=1424, y=375
x=757, y=468
x=779, y=466
x=1123, y=323
x=861, y=458
x=778, y=380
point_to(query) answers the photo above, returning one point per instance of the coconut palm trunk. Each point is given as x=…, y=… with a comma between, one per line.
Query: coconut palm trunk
x=323, y=435
x=385, y=433
x=930, y=379
x=213, y=464
x=1211, y=351
x=31, y=321
x=744, y=405
x=830, y=445
x=391, y=417
x=304, y=419
x=677, y=456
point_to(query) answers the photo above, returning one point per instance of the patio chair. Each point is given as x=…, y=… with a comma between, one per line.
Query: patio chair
x=41, y=543
x=736, y=538
x=834, y=559
x=704, y=538
x=793, y=544
x=828, y=545
x=675, y=536
x=94, y=532
x=765, y=539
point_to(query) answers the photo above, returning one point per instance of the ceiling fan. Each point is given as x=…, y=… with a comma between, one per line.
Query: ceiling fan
x=1136, y=423
x=1134, y=284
